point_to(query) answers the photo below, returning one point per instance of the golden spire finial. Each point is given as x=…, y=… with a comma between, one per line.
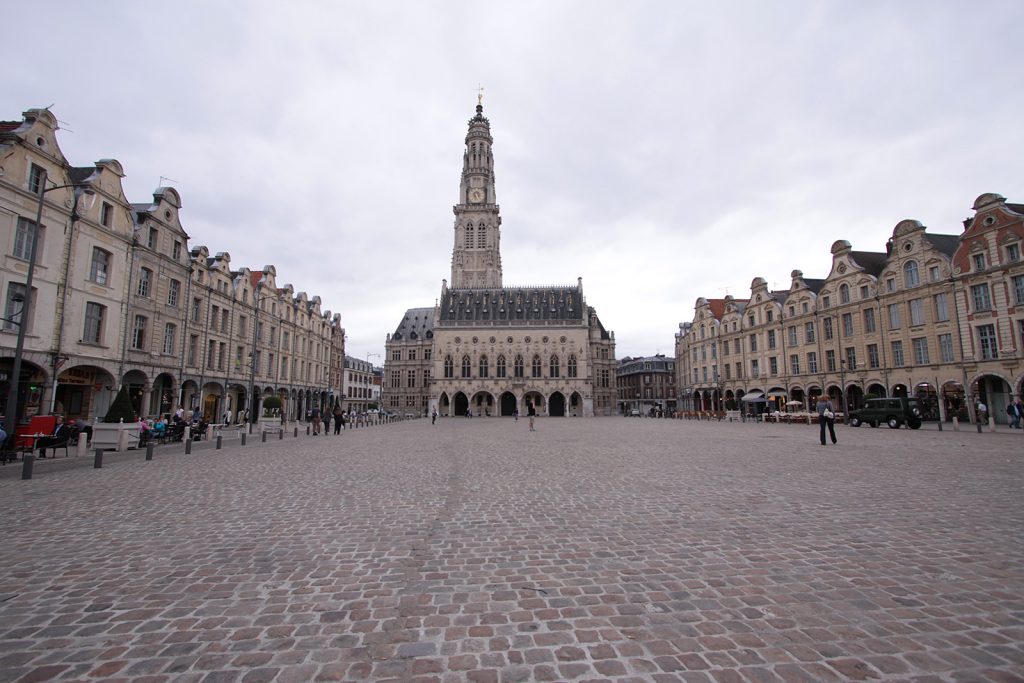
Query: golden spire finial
x=480, y=96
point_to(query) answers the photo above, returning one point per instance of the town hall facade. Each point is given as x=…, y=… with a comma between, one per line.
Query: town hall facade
x=490, y=349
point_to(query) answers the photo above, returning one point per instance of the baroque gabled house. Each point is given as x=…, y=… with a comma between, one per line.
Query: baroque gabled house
x=487, y=348
x=936, y=316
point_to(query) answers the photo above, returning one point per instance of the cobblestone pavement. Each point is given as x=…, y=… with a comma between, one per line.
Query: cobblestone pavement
x=600, y=550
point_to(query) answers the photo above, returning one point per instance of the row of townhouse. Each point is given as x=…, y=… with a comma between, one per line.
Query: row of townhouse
x=119, y=298
x=936, y=316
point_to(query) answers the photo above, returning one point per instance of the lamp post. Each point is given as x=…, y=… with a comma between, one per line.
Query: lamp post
x=842, y=386
x=370, y=391
x=26, y=309
x=251, y=401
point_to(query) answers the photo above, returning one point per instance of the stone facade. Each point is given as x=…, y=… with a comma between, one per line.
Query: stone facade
x=487, y=348
x=646, y=385
x=936, y=316
x=119, y=297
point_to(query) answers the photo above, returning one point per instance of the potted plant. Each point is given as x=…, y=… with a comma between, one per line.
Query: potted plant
x=119, y=429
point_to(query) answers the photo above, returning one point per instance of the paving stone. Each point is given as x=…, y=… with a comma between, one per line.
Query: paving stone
x=474, y=551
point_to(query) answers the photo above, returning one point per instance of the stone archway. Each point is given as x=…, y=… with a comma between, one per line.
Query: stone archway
x=482, y=404
x=136, y=381
x=556, y=404
x=444, y=406
x=575, y=404
x=84, y=391
x=508, y=403
x=460, y=404
x=877, y=391
x=536, y=399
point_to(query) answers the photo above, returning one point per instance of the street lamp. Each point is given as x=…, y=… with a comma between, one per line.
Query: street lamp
x=842, y=385
x=251, y=401
x=19, y=349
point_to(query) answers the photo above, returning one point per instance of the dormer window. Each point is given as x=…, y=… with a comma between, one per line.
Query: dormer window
x=979, y=261
x=1013, y=253
x=911, y=278
x=106, y=214
x=844, y=293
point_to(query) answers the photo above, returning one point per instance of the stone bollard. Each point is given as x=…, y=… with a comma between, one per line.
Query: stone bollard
x=187, y=436
x=149, y=451
x=940, y=424
x=956, y=424
x=977, y=424
x=991, y=424
x=97, y=461
x=188, y=447
x=27, y=461
x=219, y=441
x=83, y=444
x=243, y=438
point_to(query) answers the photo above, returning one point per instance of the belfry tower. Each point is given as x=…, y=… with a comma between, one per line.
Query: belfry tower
x=476, y=255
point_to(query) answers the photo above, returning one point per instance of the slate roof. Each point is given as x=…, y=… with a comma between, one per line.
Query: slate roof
x=814, y=284
x=873, y=262
x=418, y=321
x=947, y=244
x=512, y=304
x=79, y=174
x=600, y=325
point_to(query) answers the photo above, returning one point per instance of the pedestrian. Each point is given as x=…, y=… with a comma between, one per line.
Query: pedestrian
x=339, y=419
x=226, y=417
x=982, y=412
x=826, y=416
x=433, y=417
x=515, y=414
x=531, y=413
x=314, y=416
x=327, y=422
x=1016, y=411
x=59, y=435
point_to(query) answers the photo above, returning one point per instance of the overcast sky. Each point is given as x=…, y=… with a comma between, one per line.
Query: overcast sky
x=661, y=151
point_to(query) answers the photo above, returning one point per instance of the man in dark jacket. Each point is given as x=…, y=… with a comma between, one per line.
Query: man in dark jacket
x=59, y=437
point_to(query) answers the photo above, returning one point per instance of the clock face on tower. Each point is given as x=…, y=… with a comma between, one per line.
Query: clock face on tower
x=476, y=195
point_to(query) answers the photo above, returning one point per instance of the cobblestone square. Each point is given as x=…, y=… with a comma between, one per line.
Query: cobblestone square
x=606, y=549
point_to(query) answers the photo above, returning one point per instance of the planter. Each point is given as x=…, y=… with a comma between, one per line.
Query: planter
x=114, y=436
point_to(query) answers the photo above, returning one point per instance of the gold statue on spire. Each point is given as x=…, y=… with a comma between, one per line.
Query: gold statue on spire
x=480, y=96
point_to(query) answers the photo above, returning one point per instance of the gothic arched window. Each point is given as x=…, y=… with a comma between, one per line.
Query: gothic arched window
x=501, y=367
x=572, y=366
x=553, y=366
x=449, y=367
x=481, y=237
x=517, y=367
x=467, y=367
x=911, y=278
x=535, y=367
x=483, y=367
x=469, y=236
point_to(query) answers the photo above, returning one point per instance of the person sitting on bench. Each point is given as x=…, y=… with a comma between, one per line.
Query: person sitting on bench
x=58, y=438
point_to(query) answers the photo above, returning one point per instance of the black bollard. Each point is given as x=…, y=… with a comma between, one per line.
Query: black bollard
x=940, y=425
x=27, y=461
x=149, y=451
x=296, y=432
x=188, y=447
x=264, y=437
x=978, y=424
x=243, y=438
x=307, y=430
x=280, y=435
x=219, y=441
x=97, y=461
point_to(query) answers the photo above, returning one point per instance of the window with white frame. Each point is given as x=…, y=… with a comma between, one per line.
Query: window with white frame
x=99, y=270
x=987, y=342
x=173, y=292
x=35, y=179
x=946, y=348
x=145, y=282
x=873, y=361
x=916, y=311
x=23, y=240
x=941, y=307
x=894, y=317
x=981, y=297
x=869, y=320
x=897, y=354
x=911, y=277
x=920, y=350
x=94, y=318
x=934, y=274
x=830, y=360
x=1013, y=253
x=794, y=364
x=978, y=260
x=153, y=238
x=139, y=333
x=812, y=362
x=106, y=214
x=170, y=334
x=1018, y=289
x=809, y=333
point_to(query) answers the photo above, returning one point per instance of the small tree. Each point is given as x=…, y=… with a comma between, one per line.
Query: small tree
x=271, y=404
x=121, y=408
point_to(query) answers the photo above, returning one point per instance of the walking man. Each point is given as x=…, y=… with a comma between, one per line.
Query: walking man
x=826, y=416
x=1016, y=411
x=433, y=416
x=531, y=413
